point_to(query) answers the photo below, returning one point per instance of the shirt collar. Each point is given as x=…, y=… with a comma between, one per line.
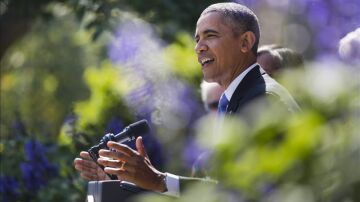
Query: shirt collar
x=233, y=85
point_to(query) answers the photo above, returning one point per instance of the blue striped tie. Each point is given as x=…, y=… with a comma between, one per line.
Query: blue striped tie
x=223, y=103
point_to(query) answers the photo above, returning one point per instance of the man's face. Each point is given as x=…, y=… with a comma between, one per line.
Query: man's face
x=217, y=48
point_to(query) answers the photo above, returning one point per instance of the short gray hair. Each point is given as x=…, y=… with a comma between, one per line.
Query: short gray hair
x=240, y=17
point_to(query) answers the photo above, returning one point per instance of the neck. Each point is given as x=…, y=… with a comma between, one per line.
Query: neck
x=236, y=72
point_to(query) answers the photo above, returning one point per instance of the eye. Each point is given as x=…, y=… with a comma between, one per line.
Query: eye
x=197, y=38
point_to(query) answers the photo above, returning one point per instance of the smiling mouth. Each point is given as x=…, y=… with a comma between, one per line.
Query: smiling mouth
x=206, y=61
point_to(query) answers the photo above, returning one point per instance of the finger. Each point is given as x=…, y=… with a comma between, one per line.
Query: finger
x=117, y=164
x=114, y=155
x=121, y=148
x=128, y=167
x=83, y=168
x=86, y=163
x=140, y=147
x=106, y=177
x=85, y=155
x=110, y=162
x=102, y=175
x=122, y=174
x=88, y=176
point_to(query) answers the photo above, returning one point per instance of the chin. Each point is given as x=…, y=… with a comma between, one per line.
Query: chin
x=209, y=80
x=208, y=77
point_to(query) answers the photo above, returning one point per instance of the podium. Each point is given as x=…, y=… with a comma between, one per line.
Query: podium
x=112, y=191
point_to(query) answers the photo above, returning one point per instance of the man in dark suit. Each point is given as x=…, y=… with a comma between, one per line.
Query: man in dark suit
x=227, y=36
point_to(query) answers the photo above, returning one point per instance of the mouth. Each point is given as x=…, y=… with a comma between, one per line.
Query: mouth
x=206, y=61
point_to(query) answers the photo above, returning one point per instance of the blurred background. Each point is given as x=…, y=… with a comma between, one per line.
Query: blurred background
x=72, y=71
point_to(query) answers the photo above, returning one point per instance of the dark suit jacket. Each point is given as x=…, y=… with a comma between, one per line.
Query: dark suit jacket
x=255, y=85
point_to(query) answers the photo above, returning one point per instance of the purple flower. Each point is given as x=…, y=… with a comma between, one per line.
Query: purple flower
x=192, y=153
x=349, y=8
x=34, y=151
x=33, y=176
x=9, y=188
x=189, y=105
x=141, y=99
x=18, y=127
x=327, y=40
x=267, y=189
x=125, y=44
x=179, y=102
x=37, y=170
x=329, y=21
x=114, y=126
x=318, y=14
x=248, y=3
x=133, y=43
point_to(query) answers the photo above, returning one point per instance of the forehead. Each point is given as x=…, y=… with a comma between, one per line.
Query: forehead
x=212, y=20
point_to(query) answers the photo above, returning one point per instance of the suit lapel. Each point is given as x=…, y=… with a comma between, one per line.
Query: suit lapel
x=243, y=90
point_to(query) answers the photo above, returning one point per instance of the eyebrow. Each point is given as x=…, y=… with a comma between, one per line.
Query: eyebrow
x=207, y=31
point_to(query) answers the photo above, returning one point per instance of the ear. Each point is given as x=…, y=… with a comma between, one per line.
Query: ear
x=247, y=41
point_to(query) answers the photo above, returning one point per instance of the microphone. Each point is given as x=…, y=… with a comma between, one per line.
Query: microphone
x=131, y=132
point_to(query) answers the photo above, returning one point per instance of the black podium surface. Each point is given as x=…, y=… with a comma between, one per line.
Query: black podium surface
x=112, y=191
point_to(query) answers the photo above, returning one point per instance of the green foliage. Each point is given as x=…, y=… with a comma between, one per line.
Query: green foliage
x=107, y=89
x=265, y=155
x=98, y=16
x=201, y=192
x=52, y=74
x=41, y=78
x=181, y=58
x=306, y=149
x=56, y=70
x=169, y=16
x=311, y=155
x=39, y=81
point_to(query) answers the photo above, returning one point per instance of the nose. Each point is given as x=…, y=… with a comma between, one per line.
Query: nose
x=200, y=47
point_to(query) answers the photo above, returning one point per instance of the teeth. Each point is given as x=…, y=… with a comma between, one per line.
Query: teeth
x=205, y=60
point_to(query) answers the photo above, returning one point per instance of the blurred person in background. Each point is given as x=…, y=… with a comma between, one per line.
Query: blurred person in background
x=227, y=37
x=274, y=58
x=210, y=95
x=349, y=47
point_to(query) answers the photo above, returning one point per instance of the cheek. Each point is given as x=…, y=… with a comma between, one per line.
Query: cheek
x=226, y=58
x=229, y=51
x=221, y=54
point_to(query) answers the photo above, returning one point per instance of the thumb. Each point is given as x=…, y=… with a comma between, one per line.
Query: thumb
x=140, y=147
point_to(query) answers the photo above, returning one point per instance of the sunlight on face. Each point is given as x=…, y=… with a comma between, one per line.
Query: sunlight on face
x=217, y=48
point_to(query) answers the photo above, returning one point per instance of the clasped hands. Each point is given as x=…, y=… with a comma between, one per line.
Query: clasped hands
x=124, y=162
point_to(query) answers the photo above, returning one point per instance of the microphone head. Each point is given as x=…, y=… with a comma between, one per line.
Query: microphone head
x=138, y=128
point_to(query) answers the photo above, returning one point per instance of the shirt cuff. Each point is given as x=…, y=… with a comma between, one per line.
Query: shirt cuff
x=172, y=185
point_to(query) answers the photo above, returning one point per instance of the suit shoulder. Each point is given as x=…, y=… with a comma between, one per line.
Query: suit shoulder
x=274, y=89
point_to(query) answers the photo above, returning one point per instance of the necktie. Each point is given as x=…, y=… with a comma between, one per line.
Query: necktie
x=223, y=103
